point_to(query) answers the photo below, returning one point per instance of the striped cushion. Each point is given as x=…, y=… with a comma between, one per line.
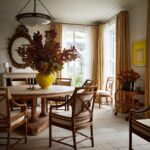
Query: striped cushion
x=137, y=127
x=13, y=123
x=145, y=122
x=102, y=92
x=64, y=118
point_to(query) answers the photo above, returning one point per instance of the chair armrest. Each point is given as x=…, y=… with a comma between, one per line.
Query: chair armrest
x=56, y=106
x=23, y=106
x=137, y=114
x=140, y=111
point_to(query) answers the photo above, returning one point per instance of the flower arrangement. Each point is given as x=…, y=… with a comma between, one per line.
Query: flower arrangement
x=46, y=58
x=128, y=76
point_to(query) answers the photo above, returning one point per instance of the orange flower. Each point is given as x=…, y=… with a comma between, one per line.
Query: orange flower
x=128, y=76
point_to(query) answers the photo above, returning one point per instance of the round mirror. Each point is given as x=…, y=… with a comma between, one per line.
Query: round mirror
x=20, y=38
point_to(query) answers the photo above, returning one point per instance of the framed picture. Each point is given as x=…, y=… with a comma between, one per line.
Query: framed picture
x=139, y=53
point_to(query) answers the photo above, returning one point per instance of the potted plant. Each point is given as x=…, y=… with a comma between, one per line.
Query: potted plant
x=127, y=79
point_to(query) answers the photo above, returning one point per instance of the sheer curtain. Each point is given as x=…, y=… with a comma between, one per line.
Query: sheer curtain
x=71, y=36
x=88, y=54
x=110, y=50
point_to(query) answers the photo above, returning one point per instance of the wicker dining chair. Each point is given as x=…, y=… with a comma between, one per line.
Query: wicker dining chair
x=88, y=82
x=78, y=118
x=107, y=93
x=9, y=121
x=139, y=124
x=60, y=99
x=20, y=82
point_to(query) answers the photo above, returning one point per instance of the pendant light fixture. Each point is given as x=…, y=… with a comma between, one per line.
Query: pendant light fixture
x=34, y=18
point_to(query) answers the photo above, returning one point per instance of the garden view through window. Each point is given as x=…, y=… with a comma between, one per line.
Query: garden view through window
x=77, y=36
x=110, y=51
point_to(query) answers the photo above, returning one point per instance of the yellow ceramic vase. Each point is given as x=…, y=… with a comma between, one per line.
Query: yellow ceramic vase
x=45, y=80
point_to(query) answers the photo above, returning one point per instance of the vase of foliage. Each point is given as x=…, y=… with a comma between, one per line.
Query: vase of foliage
x=126, y=86
x=47, y=58
x=45, y=80
x=127, y=79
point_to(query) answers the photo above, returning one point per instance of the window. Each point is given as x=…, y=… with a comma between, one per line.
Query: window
x=78, y=70
x=109, y=50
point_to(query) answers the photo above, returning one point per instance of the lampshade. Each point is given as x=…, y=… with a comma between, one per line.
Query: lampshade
x=34, y=18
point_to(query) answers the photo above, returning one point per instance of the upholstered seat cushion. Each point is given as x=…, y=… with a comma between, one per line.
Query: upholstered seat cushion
x=14, y=114
x=64, y=118
x=20, y=118
x=142, y=126
x=103, y=92
x=145, y=122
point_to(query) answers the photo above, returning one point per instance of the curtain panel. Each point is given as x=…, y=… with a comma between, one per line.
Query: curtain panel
x=147, y=70
x=98, y=54
x=122, y=43
x=122, y=48
x=58, y=28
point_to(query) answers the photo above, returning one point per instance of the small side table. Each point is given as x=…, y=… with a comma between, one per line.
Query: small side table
x=130, y=102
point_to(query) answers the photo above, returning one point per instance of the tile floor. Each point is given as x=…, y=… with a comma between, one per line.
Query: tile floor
x=110, y=133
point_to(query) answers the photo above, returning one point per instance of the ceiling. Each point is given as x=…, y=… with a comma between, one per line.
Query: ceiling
x=71, y=11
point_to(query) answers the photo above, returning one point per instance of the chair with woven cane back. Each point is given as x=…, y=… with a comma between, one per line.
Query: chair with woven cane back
x=79, y=117
x=107, y=93
x=20, y=82
x=88, y=82
x=139, y=124
x=60, y=99
x=9, y=121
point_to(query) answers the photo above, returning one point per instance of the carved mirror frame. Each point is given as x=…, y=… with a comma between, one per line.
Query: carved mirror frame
x=21, y=32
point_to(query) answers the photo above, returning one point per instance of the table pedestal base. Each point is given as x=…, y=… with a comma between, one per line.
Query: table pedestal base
x=39, y=125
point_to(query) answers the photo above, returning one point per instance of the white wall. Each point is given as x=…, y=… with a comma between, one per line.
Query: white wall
x=7, y=29
x=138, y=25
x=8, y=26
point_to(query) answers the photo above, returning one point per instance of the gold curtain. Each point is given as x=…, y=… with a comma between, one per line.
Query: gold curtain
x=98, y=54
x=58, y=28
x=122, y=43
x=147, y=70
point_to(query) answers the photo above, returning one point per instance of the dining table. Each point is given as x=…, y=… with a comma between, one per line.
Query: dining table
x=38, y=121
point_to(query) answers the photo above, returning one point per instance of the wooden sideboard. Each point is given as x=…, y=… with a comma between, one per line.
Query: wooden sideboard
x=6, y=77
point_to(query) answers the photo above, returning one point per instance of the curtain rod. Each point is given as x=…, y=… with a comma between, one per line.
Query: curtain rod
x=77, y=24
x=97, y=24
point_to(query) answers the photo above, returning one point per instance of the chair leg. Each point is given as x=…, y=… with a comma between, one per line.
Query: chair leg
x=99, y=100
x=65, y=106
x=56, y=104
x=26, y=132
x=130, y=140
x=92, y=138
x=50, y=133
x=111, y=100
x=107, y=100
x=8, y=139
x=46, y=105
x=74, y=139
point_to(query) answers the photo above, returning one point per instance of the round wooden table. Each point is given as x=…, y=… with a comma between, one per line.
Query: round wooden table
x=23, y=93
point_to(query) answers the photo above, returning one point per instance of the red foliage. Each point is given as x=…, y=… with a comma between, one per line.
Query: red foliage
x=48, y=57
x=128, y=76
